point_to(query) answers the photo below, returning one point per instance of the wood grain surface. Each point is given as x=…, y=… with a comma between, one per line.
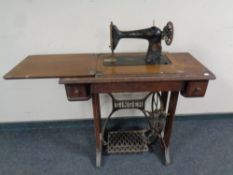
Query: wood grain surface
x=54, y=66
x=183, y=67
x=89, y=68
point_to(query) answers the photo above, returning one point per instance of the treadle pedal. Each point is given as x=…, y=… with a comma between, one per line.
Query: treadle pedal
x=127, y=142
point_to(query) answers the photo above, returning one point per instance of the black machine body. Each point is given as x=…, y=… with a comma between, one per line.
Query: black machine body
x=154, y=35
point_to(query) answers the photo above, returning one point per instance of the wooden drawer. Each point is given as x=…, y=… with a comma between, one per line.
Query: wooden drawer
x=195, y=89
x=77, y=92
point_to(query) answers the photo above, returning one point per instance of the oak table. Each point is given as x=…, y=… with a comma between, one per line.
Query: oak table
x=85, y=76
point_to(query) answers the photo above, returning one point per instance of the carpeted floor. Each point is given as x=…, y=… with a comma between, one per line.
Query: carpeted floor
x=199, y=146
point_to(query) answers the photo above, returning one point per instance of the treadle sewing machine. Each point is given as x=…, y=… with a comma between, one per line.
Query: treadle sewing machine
x=162, y=75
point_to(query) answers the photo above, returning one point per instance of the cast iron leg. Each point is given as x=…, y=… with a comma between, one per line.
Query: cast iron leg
x=167, y=156
x=97, y=125
x=169, y=123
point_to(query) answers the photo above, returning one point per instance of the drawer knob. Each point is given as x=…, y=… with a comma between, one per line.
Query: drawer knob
x=198, y=89
x=76, y=91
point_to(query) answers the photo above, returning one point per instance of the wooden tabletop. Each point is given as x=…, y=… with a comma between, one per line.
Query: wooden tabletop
x=54, y=66
x=88, y=68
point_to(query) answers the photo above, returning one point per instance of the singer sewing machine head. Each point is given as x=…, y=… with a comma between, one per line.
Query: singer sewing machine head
x=154, y=35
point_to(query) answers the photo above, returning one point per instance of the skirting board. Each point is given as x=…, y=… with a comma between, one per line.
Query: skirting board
x=89, y=122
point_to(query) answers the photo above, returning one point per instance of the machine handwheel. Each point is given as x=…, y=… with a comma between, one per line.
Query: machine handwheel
x=168, y=33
